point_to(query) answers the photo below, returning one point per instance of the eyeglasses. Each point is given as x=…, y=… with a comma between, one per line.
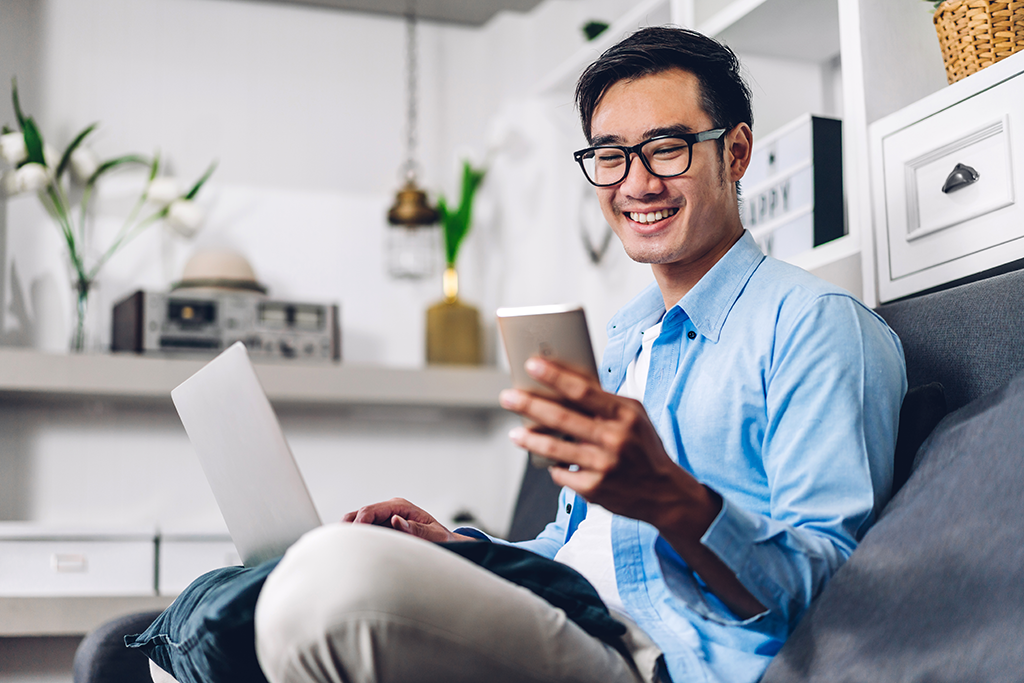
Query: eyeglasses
x=664, y=156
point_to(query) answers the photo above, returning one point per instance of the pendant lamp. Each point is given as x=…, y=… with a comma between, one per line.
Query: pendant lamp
x=414, y=245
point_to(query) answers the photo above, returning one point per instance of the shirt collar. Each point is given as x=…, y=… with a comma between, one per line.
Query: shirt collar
x=644, y=310
x=709, y=302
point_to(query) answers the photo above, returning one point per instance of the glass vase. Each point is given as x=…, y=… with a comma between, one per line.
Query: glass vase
x=79, y=336
x=453, y=328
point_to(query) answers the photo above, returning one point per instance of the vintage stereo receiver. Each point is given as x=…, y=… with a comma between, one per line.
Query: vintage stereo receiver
x=176, y=322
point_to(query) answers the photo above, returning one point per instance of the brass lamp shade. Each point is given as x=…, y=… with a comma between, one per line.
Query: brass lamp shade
x=411, y=208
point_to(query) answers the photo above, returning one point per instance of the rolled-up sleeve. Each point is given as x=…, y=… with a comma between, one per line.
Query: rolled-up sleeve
x=833, y=394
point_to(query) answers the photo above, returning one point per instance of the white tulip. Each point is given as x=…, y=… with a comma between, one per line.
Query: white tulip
x=29, y=178
x=9, y=183
x=164, y=190
x=51, y=156
x=12, y=148
x=185, y=217
x=32, y=177
x=84, y=163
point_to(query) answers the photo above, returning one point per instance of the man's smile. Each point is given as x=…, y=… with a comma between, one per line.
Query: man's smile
x=651, y=216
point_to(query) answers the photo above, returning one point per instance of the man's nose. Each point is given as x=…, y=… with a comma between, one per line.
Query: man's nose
x=639, y=182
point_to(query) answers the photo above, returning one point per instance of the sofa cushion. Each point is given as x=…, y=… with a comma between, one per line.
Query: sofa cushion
x=968, y=337
x=923, y=407
x=934, y=591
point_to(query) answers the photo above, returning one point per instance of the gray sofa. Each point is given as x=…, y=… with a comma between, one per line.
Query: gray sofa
x=935, y=591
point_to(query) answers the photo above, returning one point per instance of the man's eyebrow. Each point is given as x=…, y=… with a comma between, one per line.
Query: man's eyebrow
x=677, y=129
x=602, y=140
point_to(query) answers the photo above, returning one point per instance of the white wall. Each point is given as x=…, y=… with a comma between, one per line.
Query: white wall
x=303, y=109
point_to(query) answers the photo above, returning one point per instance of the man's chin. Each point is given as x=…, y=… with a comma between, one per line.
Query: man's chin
x=646, y=256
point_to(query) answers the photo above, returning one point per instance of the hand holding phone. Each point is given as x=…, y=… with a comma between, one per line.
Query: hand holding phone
x=558, y=333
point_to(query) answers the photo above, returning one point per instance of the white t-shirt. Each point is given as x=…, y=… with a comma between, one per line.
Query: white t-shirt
x=589, y=551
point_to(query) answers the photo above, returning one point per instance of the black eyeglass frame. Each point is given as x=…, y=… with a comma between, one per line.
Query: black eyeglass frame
x=690, y=139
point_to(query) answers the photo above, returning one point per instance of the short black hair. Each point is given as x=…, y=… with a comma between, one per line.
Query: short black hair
x=725, y=96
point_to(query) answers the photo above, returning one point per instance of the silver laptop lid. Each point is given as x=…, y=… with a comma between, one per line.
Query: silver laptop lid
x=247, y=462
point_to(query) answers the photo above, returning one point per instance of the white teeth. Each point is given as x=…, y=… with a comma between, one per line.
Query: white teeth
x=652, y=216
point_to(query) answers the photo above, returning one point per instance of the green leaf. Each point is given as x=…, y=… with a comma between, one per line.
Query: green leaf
x=114, y=163
x=17, y=103
x=191, y=194
x=154, y=169
x=65, y=160
x=33, y=143
x=457, y=224
x=447, y=219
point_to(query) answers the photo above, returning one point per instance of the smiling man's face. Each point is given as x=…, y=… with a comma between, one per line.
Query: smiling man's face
x=683, y=224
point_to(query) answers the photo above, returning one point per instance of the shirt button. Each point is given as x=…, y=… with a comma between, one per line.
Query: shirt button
x=691, y=334
x=568, y=508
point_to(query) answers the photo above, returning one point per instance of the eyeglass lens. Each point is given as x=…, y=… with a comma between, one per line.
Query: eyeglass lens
x=662, y=156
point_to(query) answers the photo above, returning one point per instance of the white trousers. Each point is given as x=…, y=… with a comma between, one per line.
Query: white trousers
x=353, y=603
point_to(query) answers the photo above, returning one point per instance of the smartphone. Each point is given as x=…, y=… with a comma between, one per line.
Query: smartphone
x=559, y=333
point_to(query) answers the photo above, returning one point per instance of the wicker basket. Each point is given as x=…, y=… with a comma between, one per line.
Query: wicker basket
x=978, y=33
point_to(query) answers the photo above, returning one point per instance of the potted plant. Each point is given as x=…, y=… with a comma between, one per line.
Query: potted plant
x=453, y=327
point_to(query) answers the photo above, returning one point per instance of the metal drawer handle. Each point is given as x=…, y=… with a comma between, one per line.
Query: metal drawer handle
x=961, y=176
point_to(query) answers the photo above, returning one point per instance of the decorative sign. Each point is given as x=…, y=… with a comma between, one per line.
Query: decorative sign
x=792, y=198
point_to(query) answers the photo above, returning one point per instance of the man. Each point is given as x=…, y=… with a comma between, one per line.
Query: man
x=737, y=448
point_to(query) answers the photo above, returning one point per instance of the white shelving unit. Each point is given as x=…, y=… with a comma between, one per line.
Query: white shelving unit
x=32, y=375
x=52, y=379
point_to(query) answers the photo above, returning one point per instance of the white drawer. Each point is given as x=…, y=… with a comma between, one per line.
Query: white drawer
x=42, y=564
x=926, y=236
x=183, y=559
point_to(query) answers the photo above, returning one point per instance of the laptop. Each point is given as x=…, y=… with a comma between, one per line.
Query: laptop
x=251, y=470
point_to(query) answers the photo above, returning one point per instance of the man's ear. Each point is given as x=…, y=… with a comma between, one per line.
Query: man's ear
x=739, y=145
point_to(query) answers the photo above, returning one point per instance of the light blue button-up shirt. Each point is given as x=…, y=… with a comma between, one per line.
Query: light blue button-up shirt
x=782, y=393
